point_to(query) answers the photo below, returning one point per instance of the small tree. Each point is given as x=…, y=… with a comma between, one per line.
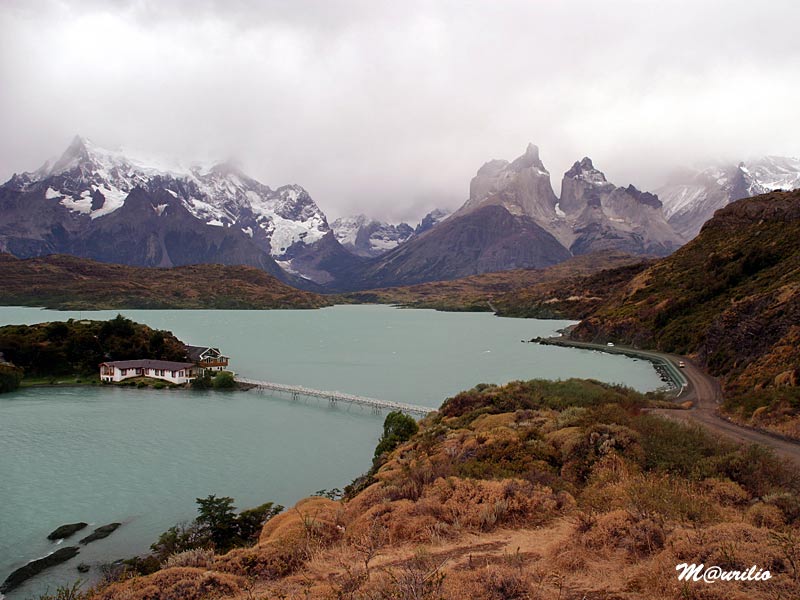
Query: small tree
x=397, y=428
x=218, y=517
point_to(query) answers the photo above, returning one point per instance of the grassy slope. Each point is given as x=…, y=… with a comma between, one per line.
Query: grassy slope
x=532, y=490
x=731, y=297
x=70, y=283
x=477, y=292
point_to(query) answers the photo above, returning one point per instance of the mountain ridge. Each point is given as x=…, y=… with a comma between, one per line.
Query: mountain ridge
x=87, y=185
x=111, y=206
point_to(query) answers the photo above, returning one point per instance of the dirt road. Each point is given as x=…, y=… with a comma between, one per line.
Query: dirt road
x=704, y=391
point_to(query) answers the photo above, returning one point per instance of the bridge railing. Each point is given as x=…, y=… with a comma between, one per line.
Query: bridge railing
x=337, y=396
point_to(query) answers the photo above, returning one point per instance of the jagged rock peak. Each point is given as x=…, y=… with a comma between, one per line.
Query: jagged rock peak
x=584, y=169
x=644, y=197
x=433, y=218
x=493, y=167
x=76, y=153
x=529, y=159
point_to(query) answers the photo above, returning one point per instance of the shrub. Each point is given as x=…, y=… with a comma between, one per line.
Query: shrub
x=200, y=558
x=72, y=592
x=181, y=583
x=676, y=448
x=224, y=381
x=765, y=515
x=202, y=382
x=10, y=376
x=250, y=522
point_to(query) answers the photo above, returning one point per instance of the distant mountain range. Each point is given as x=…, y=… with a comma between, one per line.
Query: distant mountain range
x=513, y=220
x=368, y=237
x=690, y=198
x=113, y=207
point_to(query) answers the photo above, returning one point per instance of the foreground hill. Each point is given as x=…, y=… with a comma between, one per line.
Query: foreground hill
x=533, y=490
x=506, y=292
x=70, y=283
x=731, y=299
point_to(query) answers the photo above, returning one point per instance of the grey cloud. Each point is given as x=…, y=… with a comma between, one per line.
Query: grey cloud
x=389, y=108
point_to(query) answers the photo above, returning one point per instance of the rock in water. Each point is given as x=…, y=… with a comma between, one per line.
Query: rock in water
x=100, y=533
x=66, y=530
x=35, y=567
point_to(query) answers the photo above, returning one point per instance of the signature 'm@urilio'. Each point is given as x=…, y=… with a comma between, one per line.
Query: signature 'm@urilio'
x=712, y=574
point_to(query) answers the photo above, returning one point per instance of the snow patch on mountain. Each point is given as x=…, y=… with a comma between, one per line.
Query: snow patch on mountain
x=368, y=237
x=691, y=198
x=83, y=204
x=217, y=194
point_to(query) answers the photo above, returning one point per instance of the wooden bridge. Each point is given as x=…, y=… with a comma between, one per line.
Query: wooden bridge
x=335, y=397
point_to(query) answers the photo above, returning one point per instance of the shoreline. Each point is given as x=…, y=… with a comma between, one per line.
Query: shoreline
x=240, y=387
x=677, y=381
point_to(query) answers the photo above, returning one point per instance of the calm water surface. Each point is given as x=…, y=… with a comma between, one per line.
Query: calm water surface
x=142, y=456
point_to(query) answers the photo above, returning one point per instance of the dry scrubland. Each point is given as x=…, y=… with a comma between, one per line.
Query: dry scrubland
x=532, y=490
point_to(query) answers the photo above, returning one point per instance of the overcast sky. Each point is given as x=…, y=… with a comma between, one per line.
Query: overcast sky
x=389, y=108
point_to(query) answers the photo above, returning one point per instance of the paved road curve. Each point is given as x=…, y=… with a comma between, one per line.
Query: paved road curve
x=704, y=391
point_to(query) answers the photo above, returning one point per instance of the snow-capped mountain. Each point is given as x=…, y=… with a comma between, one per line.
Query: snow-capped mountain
x=89, y=185
x=690, y=198
x=368, y=237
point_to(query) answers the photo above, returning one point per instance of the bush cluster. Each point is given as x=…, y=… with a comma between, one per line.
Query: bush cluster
x=217, y=527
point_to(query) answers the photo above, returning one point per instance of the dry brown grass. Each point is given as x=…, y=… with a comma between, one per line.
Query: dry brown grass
x=609, y=528
x=181, y=583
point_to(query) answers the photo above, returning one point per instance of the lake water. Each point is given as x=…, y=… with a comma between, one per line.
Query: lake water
x=141, y=457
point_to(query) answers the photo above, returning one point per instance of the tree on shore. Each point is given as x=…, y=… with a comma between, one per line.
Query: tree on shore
x=397, y=428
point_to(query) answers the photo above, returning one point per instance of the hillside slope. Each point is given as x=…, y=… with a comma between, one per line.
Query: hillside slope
x=70, y=283
x=731, y=299
x=488, y=239
x=534, y=490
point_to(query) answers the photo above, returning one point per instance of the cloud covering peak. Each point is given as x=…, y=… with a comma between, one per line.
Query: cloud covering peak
x=387, y=108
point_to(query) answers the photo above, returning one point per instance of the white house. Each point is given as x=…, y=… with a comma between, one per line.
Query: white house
x=208, y=359
x=174, y=372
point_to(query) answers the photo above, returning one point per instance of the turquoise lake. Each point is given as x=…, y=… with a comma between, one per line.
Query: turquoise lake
x=141, y=457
